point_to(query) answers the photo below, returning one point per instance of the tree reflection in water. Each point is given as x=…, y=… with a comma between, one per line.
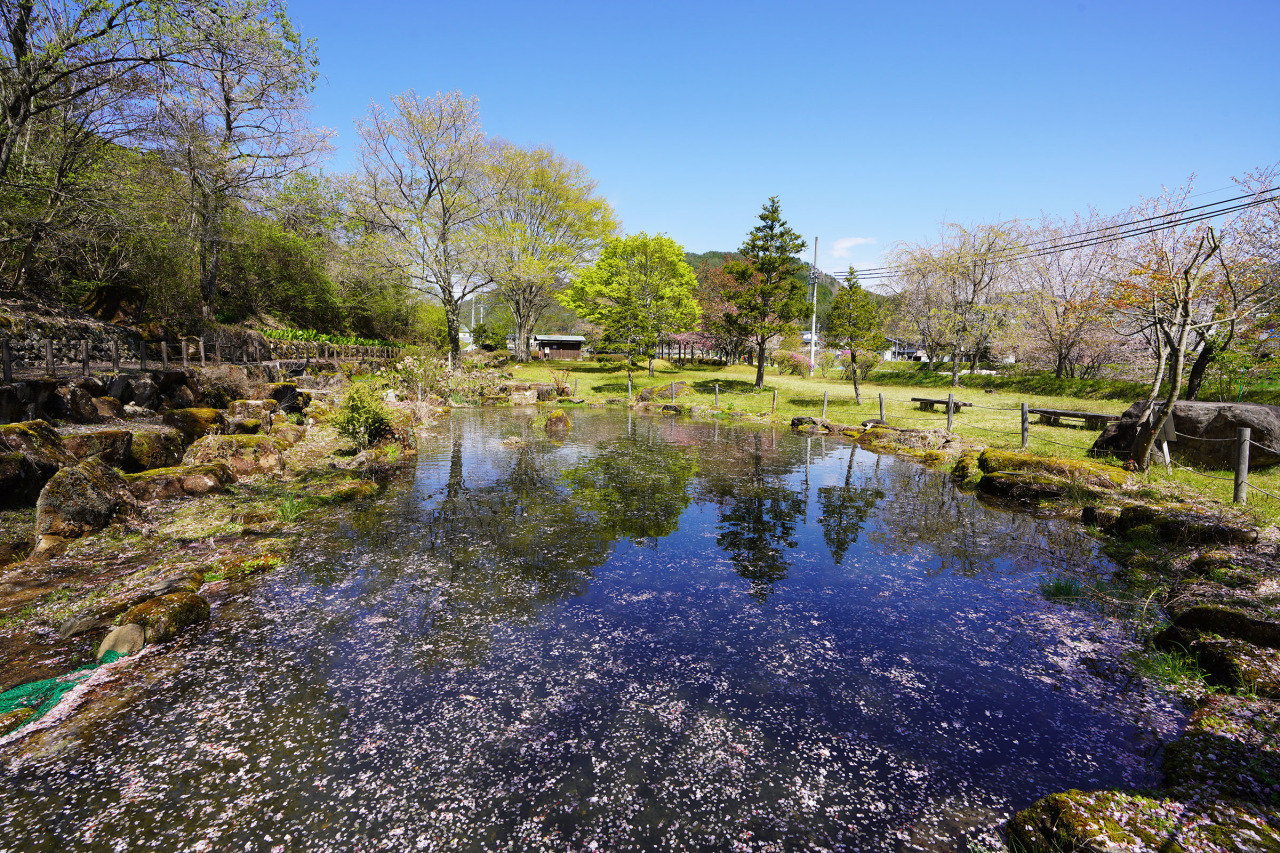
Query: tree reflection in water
x=845, y=510
x=758, y=522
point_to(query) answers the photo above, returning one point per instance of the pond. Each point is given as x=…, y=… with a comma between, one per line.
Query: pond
x=651, y=635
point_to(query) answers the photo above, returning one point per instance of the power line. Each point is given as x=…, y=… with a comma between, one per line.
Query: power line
x=1108, y=234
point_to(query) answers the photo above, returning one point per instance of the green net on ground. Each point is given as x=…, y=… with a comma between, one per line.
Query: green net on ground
x=40, y=697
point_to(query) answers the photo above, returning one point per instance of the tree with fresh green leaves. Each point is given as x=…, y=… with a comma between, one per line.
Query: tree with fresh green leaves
x=231, y=116
x=767, y=294
x=546, y=222
x=854, y=323
x=424, y=185
x=640, y=291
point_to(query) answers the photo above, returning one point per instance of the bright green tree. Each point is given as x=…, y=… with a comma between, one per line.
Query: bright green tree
x=640, y=291
x=767, y=294
x=855, y=324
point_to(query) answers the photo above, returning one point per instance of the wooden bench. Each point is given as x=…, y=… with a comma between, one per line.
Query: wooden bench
x=927, y=404
x=1092, y=420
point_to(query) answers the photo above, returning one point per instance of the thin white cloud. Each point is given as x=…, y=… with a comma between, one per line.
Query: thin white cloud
x=844, y=246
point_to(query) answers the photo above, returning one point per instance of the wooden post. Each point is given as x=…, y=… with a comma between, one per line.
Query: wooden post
x=48, y=357
x=115, y=355
x=1026, y=428
x=338, y=369
x=164, y=354
x=824, y=405
x=6, y=356
x=882, y=406
x=951, y=408
x=217, y=352
x=183, y=343
x=84, y=358
x=717, y=395
x=775, y=401
x=202, y=354
x=142, y=355
x=673, y=390
x=1242, y=465
x=628, y=387
x=575, y=386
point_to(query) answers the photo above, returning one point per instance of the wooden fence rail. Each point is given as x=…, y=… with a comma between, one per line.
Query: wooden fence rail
x=55, y=358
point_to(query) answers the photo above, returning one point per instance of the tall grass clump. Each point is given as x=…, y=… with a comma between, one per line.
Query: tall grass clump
x=363, y=417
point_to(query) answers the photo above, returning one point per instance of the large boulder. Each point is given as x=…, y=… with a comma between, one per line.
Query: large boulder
x=1115, y=821
x=1207, y=433
x=246, y=454
x=287, y=397
x=73, y=403
x=104, y=612
x=81, y=500
x=663, y=392
x=154, y=448
x=167, y=616
x=30, y=454
x=194, y=424
x=13, y=403
x=112, y=446
x=181, y=481
x=108, y=408
x=259, y=409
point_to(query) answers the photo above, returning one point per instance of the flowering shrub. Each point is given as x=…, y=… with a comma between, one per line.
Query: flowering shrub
x=791, y=362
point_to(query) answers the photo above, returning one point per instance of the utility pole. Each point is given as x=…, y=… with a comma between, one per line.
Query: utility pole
x=813, y=319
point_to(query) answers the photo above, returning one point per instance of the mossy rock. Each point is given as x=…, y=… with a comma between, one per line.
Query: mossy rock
x=1228, y=622
x=246, y=454
x=244, y=426
x=15, y=719
x=1032, y=487
x=349, y=491
x=1221, y=567
x=194, y=424
x=81, y=500
x=30, y=454
x=181, y=481
x=167, y=616
x=241, y=566
x=287, y=396
x=154, y=449
x=966, y=472
x=259, y=409
x=112, y=446
x=1109, y=821
x=558, y=421
x=287, y=434
x=1092, y=474
x=1238, y=665
x=1179, y=525
x=1231, y=749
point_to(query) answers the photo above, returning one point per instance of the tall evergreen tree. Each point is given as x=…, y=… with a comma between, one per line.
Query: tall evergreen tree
x=767, y=294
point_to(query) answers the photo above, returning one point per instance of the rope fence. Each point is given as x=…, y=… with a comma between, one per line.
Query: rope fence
x=1051, y=418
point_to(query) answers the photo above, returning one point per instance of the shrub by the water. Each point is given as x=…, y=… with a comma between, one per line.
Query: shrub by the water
x=363, y=417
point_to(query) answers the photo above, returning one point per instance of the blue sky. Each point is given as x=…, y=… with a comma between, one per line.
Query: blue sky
x=873, y=122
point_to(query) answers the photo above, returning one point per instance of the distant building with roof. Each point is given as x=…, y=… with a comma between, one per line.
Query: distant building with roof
x=560, y=347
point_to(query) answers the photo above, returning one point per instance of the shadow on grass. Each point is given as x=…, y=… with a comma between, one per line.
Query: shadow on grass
x=727, y=386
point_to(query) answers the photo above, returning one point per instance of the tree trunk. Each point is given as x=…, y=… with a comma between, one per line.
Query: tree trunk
x=760, y=365
x=853, y=368
x=1147, y=438
x=1207, y=352
x=524, y=331
x=453, y=323
x=955, y=368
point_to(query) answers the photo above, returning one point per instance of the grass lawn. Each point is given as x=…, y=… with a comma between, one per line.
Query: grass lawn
x=993, y=420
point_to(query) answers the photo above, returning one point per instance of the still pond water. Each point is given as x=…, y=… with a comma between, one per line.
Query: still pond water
x=652, y=635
